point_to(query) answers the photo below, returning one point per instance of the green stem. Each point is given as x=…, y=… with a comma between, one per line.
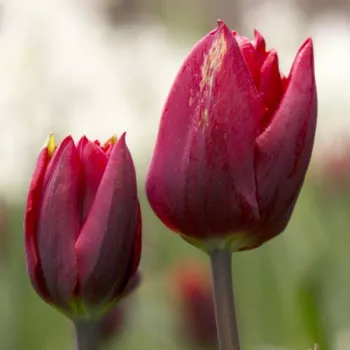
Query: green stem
x=87, y=335
x=223, y=298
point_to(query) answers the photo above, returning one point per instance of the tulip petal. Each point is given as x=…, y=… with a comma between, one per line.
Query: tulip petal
x=284, y=149
x=260, y=46
x=31, y=225
x=106, y=243
x=203, y=164
x=133, y=276
x=250, y=57
x=59, y=223
x=270, y=84
x=94, y=162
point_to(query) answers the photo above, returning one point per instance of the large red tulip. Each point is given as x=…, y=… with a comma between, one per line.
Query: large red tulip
x=82, y=225
x=234, y=142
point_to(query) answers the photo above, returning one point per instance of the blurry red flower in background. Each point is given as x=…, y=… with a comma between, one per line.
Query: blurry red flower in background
x=196, y=315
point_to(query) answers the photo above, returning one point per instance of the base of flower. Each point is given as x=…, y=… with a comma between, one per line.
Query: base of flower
x=231, y=243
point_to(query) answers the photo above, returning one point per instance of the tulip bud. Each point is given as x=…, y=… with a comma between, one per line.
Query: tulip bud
x=82, y=225
x=234, y=142
x=196, y=315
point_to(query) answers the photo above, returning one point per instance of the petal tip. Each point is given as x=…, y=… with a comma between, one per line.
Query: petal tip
x=82, y=144
x=50, y=145
x=84, y=138
x=257, y=33
x=121, y=143
x=259, y=40
x=122, y=138
x=306, y=52
x=220, y=22
x=307, y=47
x=222, y=27
x=67, y=141
x=273, y=54
x=304, y=60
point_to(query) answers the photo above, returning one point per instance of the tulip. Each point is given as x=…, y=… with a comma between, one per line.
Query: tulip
x=83, y=225
x=234, y=142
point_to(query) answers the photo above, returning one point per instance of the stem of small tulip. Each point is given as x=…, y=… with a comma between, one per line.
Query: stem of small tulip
x=87, y=335
x=226, y=323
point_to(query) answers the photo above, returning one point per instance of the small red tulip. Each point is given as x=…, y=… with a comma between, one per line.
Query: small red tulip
x=234, y=142
x=82, y=225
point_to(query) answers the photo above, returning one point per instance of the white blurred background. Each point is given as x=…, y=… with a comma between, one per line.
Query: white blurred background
x=99, y=67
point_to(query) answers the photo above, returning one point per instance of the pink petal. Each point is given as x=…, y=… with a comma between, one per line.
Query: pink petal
x=106, y=244
x=260, y=46
x=59, y=223
x=94, y=162
x=133, y=276
x=250, y=57
x=284, y=149
x=31, y=225
x=270, y=84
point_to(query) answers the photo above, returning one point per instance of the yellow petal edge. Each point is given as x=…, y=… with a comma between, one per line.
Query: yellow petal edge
x=51, y=145
x=111, y=141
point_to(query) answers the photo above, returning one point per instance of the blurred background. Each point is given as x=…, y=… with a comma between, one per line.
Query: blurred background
x=101, y=67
